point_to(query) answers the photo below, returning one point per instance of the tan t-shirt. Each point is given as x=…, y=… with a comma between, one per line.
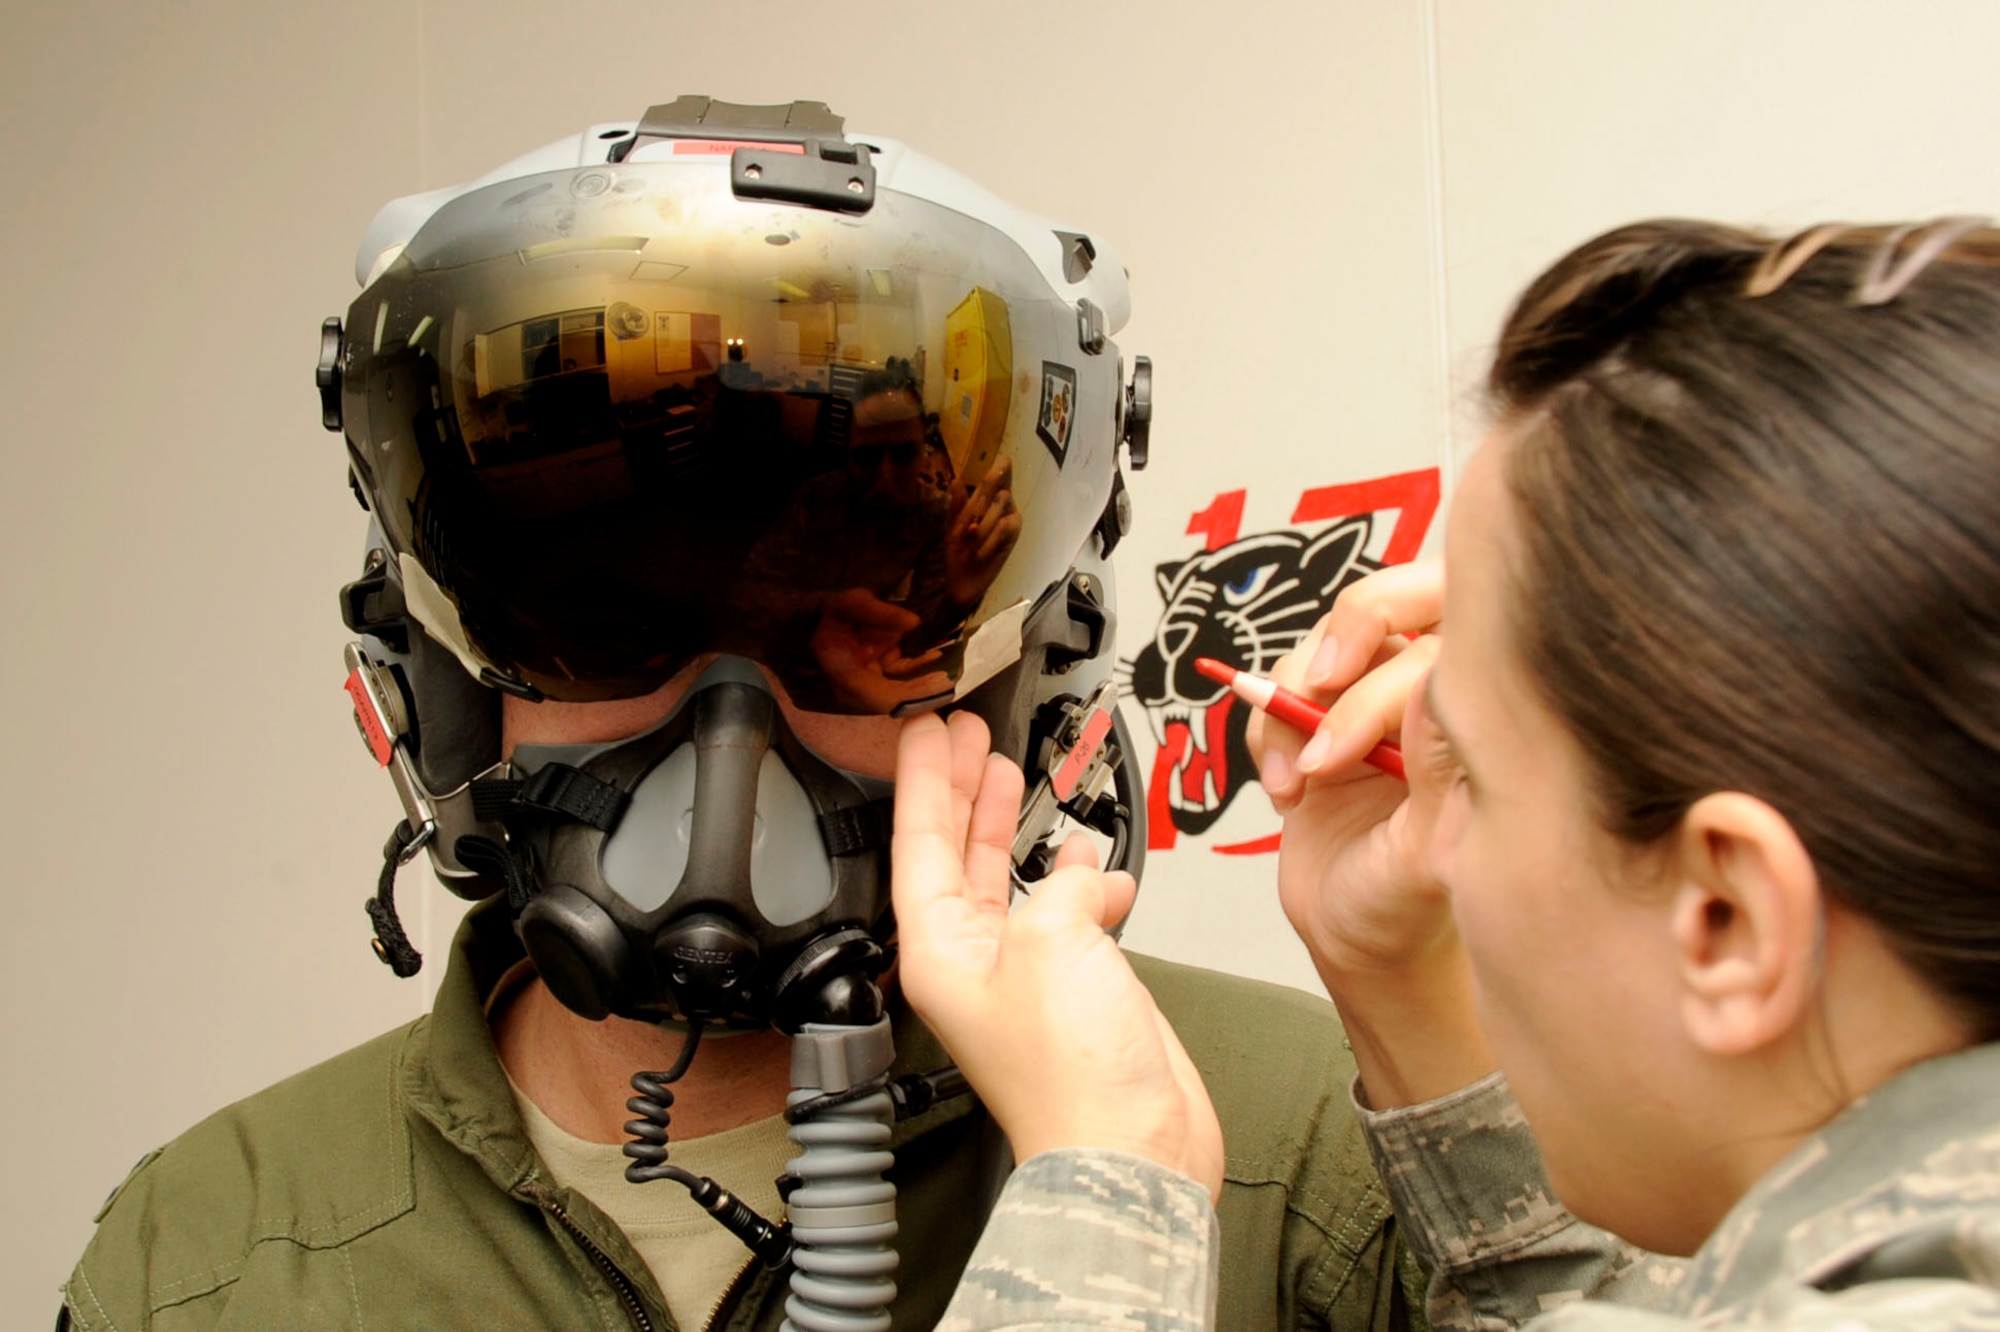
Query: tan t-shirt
x=691, y=1256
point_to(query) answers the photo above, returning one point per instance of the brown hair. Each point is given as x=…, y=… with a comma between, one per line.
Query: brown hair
x=1762, y=553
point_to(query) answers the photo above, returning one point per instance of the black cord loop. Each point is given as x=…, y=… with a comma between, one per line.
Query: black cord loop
x=391, y=944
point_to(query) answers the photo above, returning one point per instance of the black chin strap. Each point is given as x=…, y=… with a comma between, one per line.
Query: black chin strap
x=857, y=828
x=554, y=791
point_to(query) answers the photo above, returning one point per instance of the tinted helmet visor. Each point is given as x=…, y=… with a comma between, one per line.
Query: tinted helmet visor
x=621, y=418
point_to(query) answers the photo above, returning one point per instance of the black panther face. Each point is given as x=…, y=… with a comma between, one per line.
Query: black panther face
x=1246, y=604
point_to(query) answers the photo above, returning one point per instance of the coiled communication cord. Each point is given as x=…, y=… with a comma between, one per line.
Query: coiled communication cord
x=840, y=1238
x=648, y=1150
x=654, y=1107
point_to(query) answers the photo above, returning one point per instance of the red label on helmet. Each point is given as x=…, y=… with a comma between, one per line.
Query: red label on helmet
x=369, y=720
x=1077, y=761
x=724, y=147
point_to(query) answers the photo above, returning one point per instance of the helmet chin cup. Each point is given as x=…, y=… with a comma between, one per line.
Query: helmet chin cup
x=578, y=950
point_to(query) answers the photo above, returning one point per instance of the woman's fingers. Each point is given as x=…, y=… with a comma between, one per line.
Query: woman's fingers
x=1039, y=1007
x=1362, y=716
x=986, y=507
x=1358, y=662
x=926, y=839
x=1070, y=896
x=979, y=498
x=1401, y=599
x=1121, y=890
x=1118, y=889
x=1004, y=526
x=1369, y=711
x=989, y=846
x=1274, y=746
x=968, y=736
x=927, y=878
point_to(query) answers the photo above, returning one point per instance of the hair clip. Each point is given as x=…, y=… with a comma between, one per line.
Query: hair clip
x=1880, y=284
x=1788, y=256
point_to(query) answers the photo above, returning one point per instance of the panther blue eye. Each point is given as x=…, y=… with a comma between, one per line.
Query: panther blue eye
x=1249, y=585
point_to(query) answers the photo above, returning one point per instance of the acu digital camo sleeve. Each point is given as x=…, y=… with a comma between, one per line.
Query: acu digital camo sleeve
x=1888, y=1218
x=1469, y=1189
x=1092, y=1240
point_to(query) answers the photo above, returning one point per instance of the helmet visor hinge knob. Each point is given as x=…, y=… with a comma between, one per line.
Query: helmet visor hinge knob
x=328, y=375
x=1139, y=411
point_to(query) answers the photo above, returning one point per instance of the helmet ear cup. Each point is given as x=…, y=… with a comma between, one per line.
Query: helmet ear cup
x=581, y=954
x=457, y=717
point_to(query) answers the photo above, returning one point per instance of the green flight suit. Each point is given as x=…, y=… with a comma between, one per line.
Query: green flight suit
x=393, y=1187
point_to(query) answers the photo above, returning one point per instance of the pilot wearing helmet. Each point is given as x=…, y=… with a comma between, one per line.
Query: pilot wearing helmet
x=697, y=452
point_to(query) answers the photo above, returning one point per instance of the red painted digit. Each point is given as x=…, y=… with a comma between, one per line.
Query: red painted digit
x=1414, y=495
x=1220, y=522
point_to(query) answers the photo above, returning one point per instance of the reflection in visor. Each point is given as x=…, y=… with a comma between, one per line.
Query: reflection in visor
x=622, y=424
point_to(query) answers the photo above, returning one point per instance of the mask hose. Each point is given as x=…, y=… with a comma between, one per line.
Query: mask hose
x=842, y=1210
x=842, y=1213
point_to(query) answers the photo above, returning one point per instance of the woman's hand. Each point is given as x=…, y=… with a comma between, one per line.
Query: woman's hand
x=982, y=530
x=1038, y=1007
x=858, y=644
x=1353, y=873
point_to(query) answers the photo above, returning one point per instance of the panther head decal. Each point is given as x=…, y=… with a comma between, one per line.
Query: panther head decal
x=1247, y=603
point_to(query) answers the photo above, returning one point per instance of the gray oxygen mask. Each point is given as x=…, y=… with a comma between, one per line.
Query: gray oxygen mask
x=712, y=868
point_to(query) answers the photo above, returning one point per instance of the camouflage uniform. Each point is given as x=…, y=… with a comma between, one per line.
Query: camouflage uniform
x=1092, y=1239
x=1889, y=1217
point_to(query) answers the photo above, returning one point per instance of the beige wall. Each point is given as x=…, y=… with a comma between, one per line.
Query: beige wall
x=1324, y=207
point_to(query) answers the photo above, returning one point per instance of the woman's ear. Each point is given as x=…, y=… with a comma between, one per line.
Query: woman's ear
x=1747, y=924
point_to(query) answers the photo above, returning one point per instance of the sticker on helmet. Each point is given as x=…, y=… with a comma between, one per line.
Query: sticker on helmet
x=1058, y=412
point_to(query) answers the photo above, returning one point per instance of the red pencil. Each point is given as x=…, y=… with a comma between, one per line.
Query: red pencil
x=1273, y=698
